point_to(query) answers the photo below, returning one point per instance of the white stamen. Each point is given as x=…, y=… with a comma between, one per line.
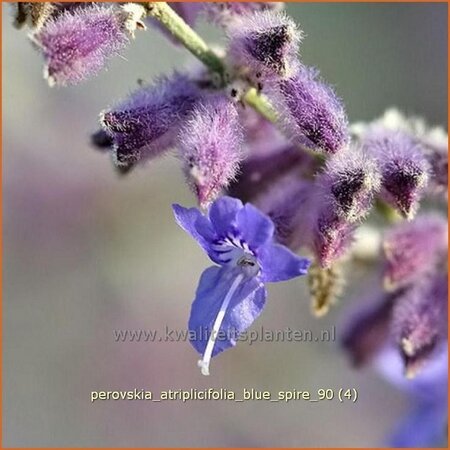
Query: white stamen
x=204, y=362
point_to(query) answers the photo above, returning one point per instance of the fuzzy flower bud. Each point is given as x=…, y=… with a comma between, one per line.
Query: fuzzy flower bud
x=77, y=44
x=310, y=111
x=209, y=145
x=419, y=322
x=349, y=183
x=333, y=235
x=433, y=142
x=413, y=249
x=404, y=168
x=263, y=46
x=146, y=124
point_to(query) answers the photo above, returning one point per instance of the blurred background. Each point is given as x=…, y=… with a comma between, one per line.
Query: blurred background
x=87, y=252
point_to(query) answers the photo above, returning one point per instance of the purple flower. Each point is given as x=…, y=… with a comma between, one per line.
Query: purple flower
x=438, y=160
x=263, y=45
x=209, y=145
x=76, y=44
x=225, y=12
x=413, y=249
x=349, y=182
x=230, y=296
x=147, y=123
x=423, y=427
x=419, y=323
x=425, y=424
x=407, y=329
x=404, y=168
x=310, y=111
x=367, y=327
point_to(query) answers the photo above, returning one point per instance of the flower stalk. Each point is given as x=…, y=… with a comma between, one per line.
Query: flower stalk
x=175, y=24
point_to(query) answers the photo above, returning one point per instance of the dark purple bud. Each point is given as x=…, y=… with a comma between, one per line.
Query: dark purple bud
x=286, y=202
x=260, y=172
x=210, y=146
x=263, y=46
x=413, y=249
x=349, y=183
x=146, y=123
x=310, y=111
x=76, y=44
x=419, y=323
x=404, y=168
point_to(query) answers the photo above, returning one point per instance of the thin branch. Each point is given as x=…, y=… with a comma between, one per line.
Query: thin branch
x=162, y=12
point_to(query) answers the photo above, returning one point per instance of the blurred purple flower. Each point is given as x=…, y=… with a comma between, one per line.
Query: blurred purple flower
x=425, y=425
x=310, y=111
x=224, y=12
x=77, y=44
x=366, y=328
x=209, y=145
x=419, y=322
x=239, y=238
x=146, y=123
x=414, y=249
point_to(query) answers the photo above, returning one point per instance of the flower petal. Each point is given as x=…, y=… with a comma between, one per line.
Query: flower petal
x=223, y=213
x=254, y=227
x=197, y=225
x=423, y=427
x=245, y=306
x=278, y=263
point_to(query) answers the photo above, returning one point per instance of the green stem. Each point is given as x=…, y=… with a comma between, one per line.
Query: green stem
x=260, y=104
x=187, y=36
x=198, y=47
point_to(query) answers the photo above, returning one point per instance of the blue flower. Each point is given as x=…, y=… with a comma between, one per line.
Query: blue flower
x=231, y=295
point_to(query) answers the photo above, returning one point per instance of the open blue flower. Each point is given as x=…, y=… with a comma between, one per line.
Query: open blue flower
x=230, y=296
